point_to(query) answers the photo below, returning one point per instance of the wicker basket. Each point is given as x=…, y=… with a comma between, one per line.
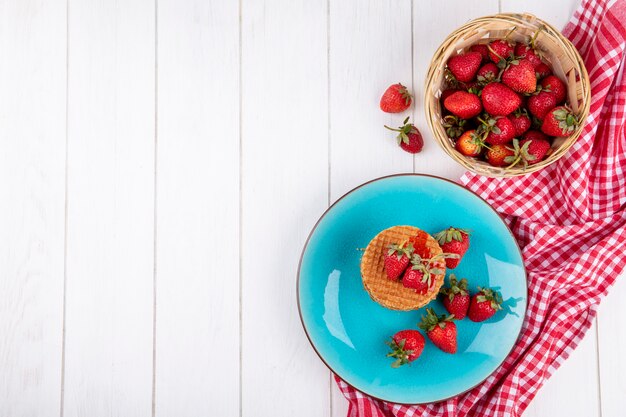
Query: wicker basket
x=558, y=51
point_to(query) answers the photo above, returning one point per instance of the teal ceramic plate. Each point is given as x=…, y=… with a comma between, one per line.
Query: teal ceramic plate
x=348, y=330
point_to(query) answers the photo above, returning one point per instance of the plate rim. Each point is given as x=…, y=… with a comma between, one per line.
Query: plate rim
x=306, y=244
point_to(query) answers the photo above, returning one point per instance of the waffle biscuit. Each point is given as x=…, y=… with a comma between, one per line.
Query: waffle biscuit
x=392, y=294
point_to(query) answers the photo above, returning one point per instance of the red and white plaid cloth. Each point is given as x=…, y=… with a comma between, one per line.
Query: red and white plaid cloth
x=570, y=221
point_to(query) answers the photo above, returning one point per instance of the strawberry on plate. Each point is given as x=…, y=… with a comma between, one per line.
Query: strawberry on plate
x=484, y=304
x=410, y=139
x=397, y=259
x=406, y=346
x=453, y=240
x=396, y=99
x=456, y=297
x=419, y=275
x=441, y=330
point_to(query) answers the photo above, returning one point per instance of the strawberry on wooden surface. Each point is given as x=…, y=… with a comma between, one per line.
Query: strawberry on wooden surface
x=484, y=304
x=499, y=100
x=397, y=259
x=464, y=66
x=441, y=330
x=560, y=121
x=406, y=346
x=463, y=104
x=409, y=137
x=456, y=298
x=453, y=240
x=396, y=99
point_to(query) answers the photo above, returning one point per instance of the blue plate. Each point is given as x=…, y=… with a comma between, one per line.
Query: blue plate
x=348, y=329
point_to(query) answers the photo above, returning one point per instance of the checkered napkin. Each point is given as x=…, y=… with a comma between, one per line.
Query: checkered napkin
x=570, y=221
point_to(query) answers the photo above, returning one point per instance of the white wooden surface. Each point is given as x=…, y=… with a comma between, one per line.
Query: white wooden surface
x=161, y=164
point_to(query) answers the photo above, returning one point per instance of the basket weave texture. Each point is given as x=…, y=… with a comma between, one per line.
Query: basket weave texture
x=556, y=50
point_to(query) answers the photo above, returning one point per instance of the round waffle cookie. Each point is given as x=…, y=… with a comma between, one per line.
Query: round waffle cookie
x=392, y=294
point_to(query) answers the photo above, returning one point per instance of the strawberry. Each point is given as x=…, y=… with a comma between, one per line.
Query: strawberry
x=540, y=104
x=497, y=154
x=464, y=66
x=396, y=99
x=521, y=122
x=542, y=70
x=500, y=50
x=535, y=135
x=496, y=130
x=456, y=298
x=453, y=240
x=441, y=330
x=463, y=104
x=406, y=346
x=560, y=121
x=409, y=138
x=538, y=149
x=454, y=126
x=420, y=275
x=529, y=53
x=528, y=151
x=519, y=75
x=397, y=259
x=482, y=49
x=447, y=93
x=557, y=87
x=469, y=144
x=484, y=304
x=487, y=73
x=499, y=100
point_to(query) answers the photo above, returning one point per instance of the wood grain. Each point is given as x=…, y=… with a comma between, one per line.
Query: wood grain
x=197, y=265
x=32, y=185
x=285, y=178
x=108, y=345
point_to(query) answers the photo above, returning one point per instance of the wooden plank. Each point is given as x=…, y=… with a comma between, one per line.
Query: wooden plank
x=285, y=178
x=32, y=168
x=611, y=347
x=370, y=49
x=110, y=243
x=197, y=278
x=432, y=24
